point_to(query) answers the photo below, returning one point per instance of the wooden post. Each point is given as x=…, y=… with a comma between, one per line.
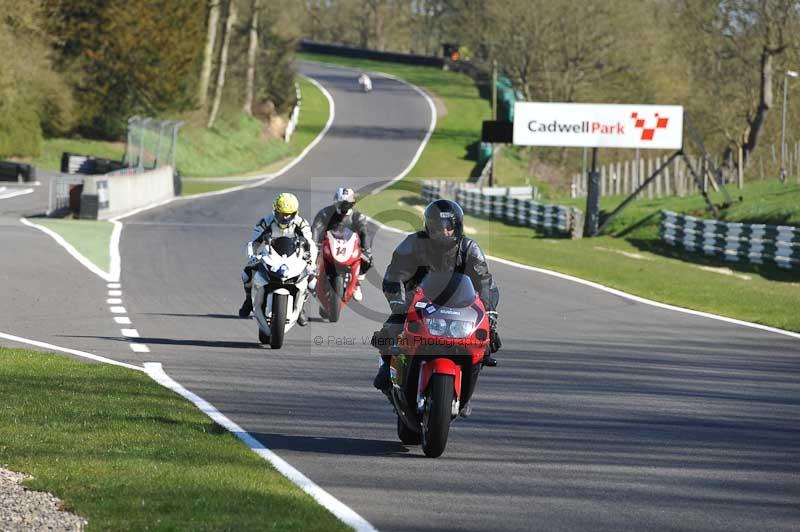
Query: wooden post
x=603, y=178
x=658, y=177
x=649, y=172
x=741, y=168
x=626, y=178
x=666, y=181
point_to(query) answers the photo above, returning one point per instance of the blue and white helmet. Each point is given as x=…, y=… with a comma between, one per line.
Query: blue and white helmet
x=344, y=199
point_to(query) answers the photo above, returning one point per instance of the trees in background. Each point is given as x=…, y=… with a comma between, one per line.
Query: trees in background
x=34, y=98
x=127, y=57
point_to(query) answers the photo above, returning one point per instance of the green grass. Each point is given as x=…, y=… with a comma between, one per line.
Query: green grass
x=89, y=237
x=127, y=454
x=236, y=145
x=633, y=260
x=452, y=150
x=53, y=148
x=190, y=188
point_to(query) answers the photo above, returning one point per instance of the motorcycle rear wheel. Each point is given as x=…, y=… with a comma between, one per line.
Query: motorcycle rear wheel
x=406, y=435
x=278, y=322
x=437, y=415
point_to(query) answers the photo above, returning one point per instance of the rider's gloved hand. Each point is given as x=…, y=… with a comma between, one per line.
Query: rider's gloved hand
x=398, y=307
x=494, y=338
x=366, y=255
x=252, y=260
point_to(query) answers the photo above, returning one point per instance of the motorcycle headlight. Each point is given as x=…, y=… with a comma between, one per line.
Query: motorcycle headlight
x=460, y=329
x=436, y=326
x=282, y=269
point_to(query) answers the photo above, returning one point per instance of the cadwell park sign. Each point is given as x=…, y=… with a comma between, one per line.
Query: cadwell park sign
x=598, y=125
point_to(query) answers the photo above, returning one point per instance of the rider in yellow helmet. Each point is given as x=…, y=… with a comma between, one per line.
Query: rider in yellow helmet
x=282, y=221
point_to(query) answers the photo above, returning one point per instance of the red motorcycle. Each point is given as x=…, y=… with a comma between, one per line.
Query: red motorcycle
x=338, y=265
x=438, y=358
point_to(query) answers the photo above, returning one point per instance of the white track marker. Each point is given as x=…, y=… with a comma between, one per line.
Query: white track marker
x=118, y=310
x=130, y=333
x=113, y=301
x=83, y=354
x=139, y=348
x=122, y=320
x=115, y=293
x=346, y=514
x=114, y=285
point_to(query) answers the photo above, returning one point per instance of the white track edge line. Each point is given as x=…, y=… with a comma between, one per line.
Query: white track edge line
x=620, y=293
x=77, y=255
x=9, y=195
x=83, y=354
x=343, y=512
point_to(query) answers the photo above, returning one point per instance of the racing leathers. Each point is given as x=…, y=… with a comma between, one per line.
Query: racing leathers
x=266, y=229
x=329, y=217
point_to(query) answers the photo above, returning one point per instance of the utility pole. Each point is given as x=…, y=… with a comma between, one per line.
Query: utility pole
x=494, y=117
x=786, y=76
x=592, y=220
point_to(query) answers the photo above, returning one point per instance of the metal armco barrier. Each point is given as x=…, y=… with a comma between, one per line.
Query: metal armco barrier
x=755, y=243
x=509, y=204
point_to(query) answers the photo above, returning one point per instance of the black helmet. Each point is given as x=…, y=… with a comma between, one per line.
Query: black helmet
x=444, y=214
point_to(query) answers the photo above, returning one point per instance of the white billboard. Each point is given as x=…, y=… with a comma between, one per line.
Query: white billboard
x=598, y=125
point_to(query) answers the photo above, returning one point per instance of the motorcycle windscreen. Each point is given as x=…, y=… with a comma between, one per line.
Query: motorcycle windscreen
x=448, y=289
x=284, y=245
x=341, y=232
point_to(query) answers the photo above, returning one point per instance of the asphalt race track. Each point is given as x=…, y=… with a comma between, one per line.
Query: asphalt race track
x=604, y=413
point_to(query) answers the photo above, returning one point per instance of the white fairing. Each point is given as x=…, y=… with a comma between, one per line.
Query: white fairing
x=292, y=265
x=342, y=250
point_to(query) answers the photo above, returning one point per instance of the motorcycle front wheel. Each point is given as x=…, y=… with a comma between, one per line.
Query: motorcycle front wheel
x=335, y=298
x=278, y=320
x=437, y=415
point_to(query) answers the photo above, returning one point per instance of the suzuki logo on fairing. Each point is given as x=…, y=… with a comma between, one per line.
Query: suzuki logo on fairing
x=648, y=132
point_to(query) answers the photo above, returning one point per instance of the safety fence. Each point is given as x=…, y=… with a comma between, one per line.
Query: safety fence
x=755, y=243
x=513, y=205
x=102, y=188
x=623, y=177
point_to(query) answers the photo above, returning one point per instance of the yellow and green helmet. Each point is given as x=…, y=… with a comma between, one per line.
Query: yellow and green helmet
x=285, y=208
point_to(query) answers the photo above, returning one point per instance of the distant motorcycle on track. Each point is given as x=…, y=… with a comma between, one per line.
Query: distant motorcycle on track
x=280, y=287
x=436, y=360
x=365, y=83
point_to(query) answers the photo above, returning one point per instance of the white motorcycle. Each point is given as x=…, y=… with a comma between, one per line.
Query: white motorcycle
x=365, y=83
x=280, y=287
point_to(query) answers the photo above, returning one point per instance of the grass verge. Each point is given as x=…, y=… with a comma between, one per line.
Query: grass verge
x=632, y=259
x=453, y=147
x=89, y=237
x=127, y=454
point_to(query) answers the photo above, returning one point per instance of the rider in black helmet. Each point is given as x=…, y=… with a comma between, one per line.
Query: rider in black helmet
x=441, y=247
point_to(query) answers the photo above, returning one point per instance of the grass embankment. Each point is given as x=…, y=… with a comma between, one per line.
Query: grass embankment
x=127, y=454
x=314, y=112
x=633, y=259
x=452, y=150
x=236, y=145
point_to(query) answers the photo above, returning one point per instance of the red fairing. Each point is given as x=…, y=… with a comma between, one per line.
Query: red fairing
x=344, y=255
x=440, y=365
x=416, y=334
